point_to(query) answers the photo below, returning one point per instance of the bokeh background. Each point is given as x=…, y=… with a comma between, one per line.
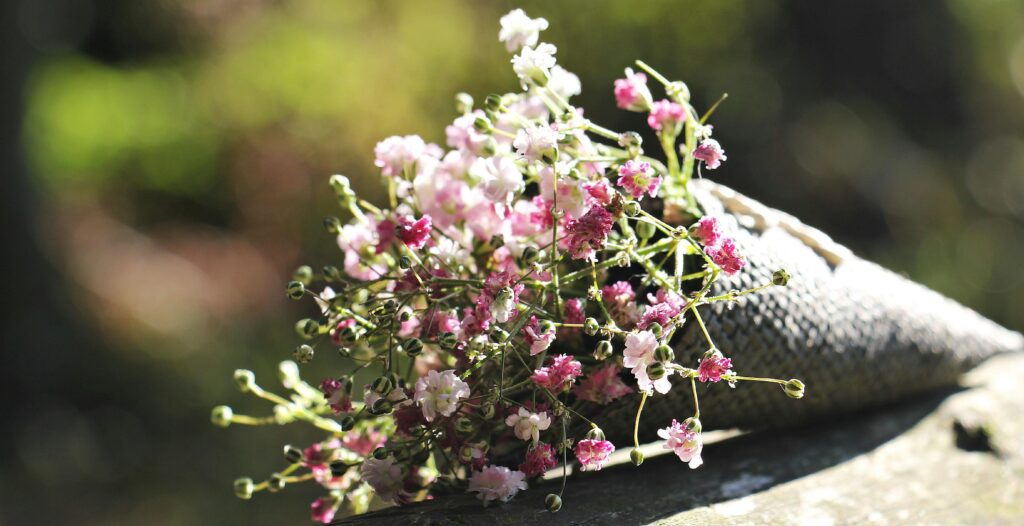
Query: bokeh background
x=165, y=167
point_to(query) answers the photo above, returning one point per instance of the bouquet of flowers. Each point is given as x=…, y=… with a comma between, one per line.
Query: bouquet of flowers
x=497, y=300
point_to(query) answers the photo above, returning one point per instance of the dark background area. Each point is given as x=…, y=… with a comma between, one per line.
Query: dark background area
x=165, y=168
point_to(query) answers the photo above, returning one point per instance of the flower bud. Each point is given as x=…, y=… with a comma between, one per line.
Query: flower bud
x=482, y=125
x=303, y=353
x=553, y=502
x=499, y=335
x=463, y=103
x=382, y=406
x=341, y=185
x=448, y=340
x=405, y=262
x=780, y=278
x=292, y=454
x=692, y=424
x=464, y=425
x=382, y=385
x=656, y=371
x=487, y=410
x=636, y=457
x=295, y=290
x=347, y=422
x=332, y=225
x=590, y=326
x=338, y=468
x=794, y=388
x=630, y=139
x=546, y=326
x=494, y=104
x=331, y=273
x=307, y=328
x=489, y=148
x=245, y=379
x=276, y=483
x=380, y=453
x=632, y=208
x=530, y=254
x=221, y=416
x=656, y=329
x=413, y=346
x=678, y=90
x=595, y=433
x=603, y=350
x=303, y=274
x=622, y=259
x=645, y=230
x=496, y=242
x=664, y=353
x=243, y=488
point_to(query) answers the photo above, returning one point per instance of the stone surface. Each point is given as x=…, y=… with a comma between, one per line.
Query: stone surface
x=949, y=458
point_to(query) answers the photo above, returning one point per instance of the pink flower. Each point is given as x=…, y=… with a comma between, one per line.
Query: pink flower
x=560, y=373
x=539, y=459
x=574, y=311
x=603, y=385
x=593, y=454
x=638, y=178
x=499, y=298
x=463, y=135
x=384, y=477
x=339, y=328
x=440, y=393
x=588, y=233
x=315, y=456
x=661, y=313
x=685, y=440
x=638, y=354
x=414, y=232
x=727, y=257
x=707, y=231
x=323, y=510
x=666, y=116
x=538, y=340
x=496, y=483
x=338, y=394
x=527, y=425
x=397, y=155
x=631, y=93
x=499, y=178
x=713, y=366
x=363, y=442
x=620, y=300
x=600, y=193
x=358, y=242
x=710, y=152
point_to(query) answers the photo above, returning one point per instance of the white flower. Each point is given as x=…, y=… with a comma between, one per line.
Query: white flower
x=638, y=354
x=440, y=393
x=499, y=178
x=536, y=142
x=533, y=65
x=497, y=483
x=504, y=305
x=528, y=425
x=383, y=476
x=451, y=252
x=518, y=30
x=564, y=82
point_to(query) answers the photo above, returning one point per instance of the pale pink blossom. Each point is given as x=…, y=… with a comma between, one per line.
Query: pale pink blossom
x=620, y=300
x=686, y=442
x=572, y=193
x=499, y=177
x=588, y=234
x=638, y=354
x=538, y=340
x=560, y=372
x=322, y=510
x=439, y=393
x=496, y=483
x=397, y=155
x=574, y=311
x=708, y=231
x=710, y=152
x=536, y=142
x=593, y=454
x=713, y=365
x=603, y=385
x=363, y=442
x=631, y=92
x=666, y=116
x=518, y=30
x=358, y=242
x=462, y=134
x=337, y=394
x=527, y=425
x=726, y=256
x=565, y=83
x=384, y=476
x=639, y=178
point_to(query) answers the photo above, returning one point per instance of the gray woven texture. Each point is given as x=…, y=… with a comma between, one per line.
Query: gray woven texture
x=857, y=334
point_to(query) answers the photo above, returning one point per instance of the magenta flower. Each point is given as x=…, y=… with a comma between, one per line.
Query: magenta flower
x=727, y=257
x=539, y=459
x=631, y=93
x=363, y=442
x=603, y=385
x=414, y=232
x=639, y=178
x=337, y=394
x=560, y=372
x=666, y=116
x=707, y=231
x=710, y=152
x=661, y=313
x=538, y=340
x=713, y=366
x=496, y=483
x=588, y=233
x=574, y=311
x=593, y=454
x=322, y=510
x=684, y=440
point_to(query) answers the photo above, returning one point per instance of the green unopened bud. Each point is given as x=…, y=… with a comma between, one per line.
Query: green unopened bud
x=622, y=259
x=463, y=103
x=693, y=425
x=221, y=416
x=243, y=488
x=331, y=273
x=595, y=433
x=603, y=350
x=546, y=326
x=292, y=454
x=466, y=454
x=389, y=306
x=499, y=335
x=632, y=208
x=295, y=290
x=382, y=385
x=338, y=468
x=464, y=425
x=678, y=90
x=382, y=406
x=307, y=328
x=630, y=139
x=530, y=255
x=656, y=371
x=664, y=353
x=448, y=340
x=380, y=453
x=341, y=185
x=303, y=353
x=590, y=326
x=645, y=230
x=413, y=346
x=780, y=278
x=332, y=225
x=656, y=329
x=347, y=422
x=496, y=242
x=405, y=315
x=405, y=262
x=276, y=483
x=245, y=379
x=494, y=104
x=303, y=274
x=636, y=457
x=794, y=388
x=487, y=411
x=482, y=125
x=553, y=502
